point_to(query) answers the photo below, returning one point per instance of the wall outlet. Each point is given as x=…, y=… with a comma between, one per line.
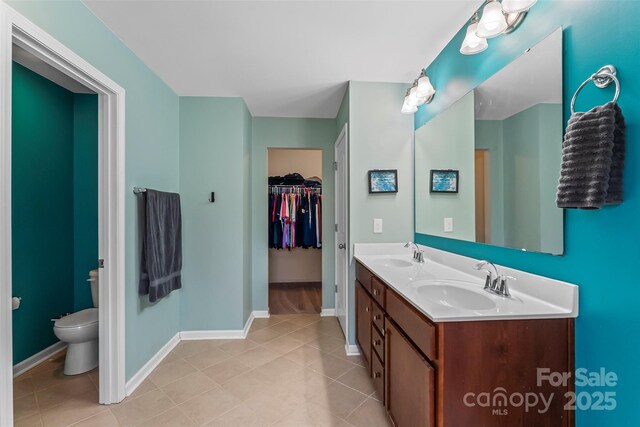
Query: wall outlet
x=377, y=225
x=448, y=225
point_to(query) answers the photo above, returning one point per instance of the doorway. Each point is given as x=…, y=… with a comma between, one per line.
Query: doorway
x=19, y=34
x=482, y=196
x=295, y=230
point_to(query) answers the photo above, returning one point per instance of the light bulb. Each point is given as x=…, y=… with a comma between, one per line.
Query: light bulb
x=425, y=88
x=493, y=22
x=473, y=44
x=516, y=6
x=406, y=108
x=413, y=99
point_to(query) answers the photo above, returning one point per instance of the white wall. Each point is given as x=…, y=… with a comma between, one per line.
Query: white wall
x=380, y=138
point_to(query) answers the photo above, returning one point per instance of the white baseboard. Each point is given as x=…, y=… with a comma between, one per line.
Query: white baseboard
x=326, y=312
x=148, y=367
x=261, y=314
x=38, y=358
x=352, y=350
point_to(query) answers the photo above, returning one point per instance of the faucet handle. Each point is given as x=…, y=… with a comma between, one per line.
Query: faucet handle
x=502, y=286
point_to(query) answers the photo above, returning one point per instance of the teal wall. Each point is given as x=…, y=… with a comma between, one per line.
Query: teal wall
x=380, y=138
x=152, y=153
x=447, y=142
x=271, y=132
x=212, y=158
x=85, y=196
x=601, y=247
x=42, y=209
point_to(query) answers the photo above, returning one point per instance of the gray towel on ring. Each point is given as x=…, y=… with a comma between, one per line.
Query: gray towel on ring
x=592, y=159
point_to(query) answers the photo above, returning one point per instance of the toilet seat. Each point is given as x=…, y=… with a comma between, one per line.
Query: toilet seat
x=81, y=318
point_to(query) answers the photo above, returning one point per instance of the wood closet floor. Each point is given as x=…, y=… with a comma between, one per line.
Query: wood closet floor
x=295, y=298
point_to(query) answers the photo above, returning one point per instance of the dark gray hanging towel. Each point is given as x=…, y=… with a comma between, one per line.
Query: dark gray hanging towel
x=161, y=263
x=587, y=155
x=615, y=193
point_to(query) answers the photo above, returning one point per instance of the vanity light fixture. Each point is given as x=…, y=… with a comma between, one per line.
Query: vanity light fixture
x=421, y=92
x=473, y=44
x=517, y=6
x=493, y=22
x=498, y=17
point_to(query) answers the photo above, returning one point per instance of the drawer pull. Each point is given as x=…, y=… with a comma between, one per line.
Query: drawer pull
x=377, y=375
x=377, y=342
x=376, y=292
x=376, y=317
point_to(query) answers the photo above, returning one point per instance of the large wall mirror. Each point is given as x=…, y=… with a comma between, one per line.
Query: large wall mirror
x=487, y=167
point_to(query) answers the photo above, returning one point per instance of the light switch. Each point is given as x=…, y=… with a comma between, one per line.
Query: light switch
x=448, y=225
x=377, y=225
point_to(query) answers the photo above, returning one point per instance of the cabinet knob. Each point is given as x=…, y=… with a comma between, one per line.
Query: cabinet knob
x=376, y=292
x=366, y=309
x=377, y=342
x=376, y=317
x=376, y=374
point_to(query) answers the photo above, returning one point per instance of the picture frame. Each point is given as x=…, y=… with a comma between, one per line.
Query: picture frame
x=444, y=181
x=383, y=181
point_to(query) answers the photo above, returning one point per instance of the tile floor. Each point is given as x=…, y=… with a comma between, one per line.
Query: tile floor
x=290, y=371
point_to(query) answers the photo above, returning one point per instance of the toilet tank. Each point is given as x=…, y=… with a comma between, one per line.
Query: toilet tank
x=93, y=279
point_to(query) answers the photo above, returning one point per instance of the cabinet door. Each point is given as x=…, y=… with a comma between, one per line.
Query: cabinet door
x=410, y=383
x=363, y=321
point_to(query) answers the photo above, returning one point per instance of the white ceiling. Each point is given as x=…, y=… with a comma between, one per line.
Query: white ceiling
x=285, y=58
x=533, y=78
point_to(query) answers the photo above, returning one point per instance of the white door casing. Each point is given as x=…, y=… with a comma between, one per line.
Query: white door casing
x=18, y=30
x=342, y=228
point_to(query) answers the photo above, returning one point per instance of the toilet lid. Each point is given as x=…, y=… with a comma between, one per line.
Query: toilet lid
x=80, y=318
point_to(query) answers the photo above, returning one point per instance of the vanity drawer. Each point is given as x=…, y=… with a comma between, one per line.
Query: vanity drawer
x=377, y=343
x=421, y=331
x=377, y=316
x=378, y=291
x=364, y=276
x=377, y=373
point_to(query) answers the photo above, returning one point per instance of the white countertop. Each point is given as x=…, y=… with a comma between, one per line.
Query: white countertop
x=456, y=288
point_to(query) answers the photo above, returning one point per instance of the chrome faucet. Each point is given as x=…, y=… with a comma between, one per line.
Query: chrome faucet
x=495, y=284
x=418, y=254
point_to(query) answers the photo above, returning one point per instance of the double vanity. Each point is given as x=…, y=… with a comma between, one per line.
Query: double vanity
x=443, y=351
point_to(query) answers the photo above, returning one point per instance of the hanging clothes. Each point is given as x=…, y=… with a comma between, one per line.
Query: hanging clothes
x=295, y=217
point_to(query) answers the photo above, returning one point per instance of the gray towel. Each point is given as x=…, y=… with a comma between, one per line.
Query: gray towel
x=592, y=159
x=161, y=263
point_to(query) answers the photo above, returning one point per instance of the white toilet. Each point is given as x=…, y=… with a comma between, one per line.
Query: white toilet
x=80, y=331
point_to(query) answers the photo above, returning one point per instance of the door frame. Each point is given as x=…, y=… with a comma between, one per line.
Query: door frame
x=344, y=133
x=15, y=28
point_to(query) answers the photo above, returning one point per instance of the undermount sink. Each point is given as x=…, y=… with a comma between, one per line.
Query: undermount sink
x=394, y=262
x=454, y=296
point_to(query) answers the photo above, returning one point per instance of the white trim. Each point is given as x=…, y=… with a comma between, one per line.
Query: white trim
x=326, y=312
x=261, y=314
x=15, y=28
x=152, y=364
x=38, y=358
x=343, y=133
x=351, y=350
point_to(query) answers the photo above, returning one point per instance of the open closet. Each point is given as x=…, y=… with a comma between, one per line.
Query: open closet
x=295, y=230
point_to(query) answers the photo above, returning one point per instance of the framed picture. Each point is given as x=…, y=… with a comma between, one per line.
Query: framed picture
x=383, y=181
x=444, y=181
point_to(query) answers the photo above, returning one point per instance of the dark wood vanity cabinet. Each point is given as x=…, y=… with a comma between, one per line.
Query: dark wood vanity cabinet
x=431, y=374
x=363, y=322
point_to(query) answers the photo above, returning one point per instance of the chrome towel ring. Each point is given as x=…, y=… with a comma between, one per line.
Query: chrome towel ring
x=601, y=79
